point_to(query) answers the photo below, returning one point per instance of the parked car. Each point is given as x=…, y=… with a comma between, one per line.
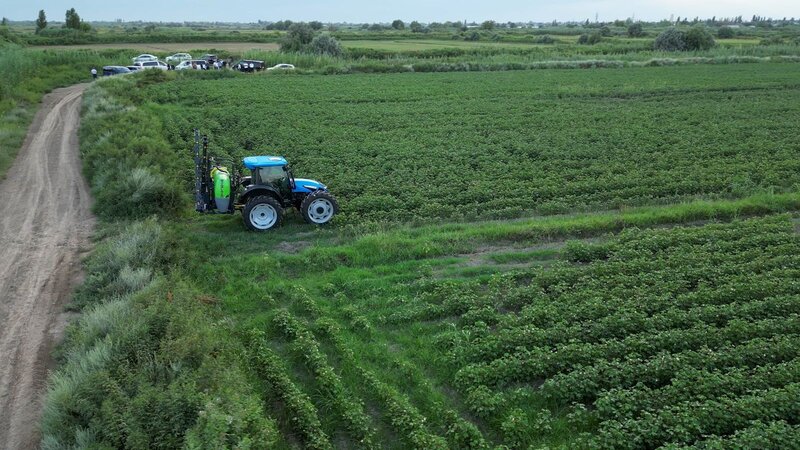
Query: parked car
x=281, y=67
x=192, y=64
x=209, y=58
x=152, y=65
x=133, y=68
x=145, y=57
x=178, y=58
x=114, y=70
x=249, y=65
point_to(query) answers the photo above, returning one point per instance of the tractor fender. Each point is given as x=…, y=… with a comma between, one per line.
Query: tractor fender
x=260, y=189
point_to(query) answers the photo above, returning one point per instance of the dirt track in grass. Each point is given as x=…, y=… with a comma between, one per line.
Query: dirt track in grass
x=45, y=223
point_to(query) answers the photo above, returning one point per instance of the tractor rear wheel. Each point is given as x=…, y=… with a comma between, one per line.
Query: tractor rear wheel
x=319, y=207
x=262, y=213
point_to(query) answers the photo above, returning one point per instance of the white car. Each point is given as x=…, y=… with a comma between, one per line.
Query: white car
x=281, y=67
x=152, y=65
x=145, y=57
x=198, y=64
x=178, y=58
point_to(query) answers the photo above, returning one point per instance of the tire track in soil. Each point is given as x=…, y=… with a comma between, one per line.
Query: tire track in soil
x=45, y=224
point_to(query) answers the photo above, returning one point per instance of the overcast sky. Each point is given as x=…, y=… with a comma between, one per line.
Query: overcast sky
x=387, y=10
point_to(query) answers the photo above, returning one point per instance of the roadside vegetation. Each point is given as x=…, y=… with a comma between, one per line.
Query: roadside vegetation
x=27, y=75
x=648, y=273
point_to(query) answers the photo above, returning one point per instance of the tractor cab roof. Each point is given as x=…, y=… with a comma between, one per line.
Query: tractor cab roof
x=254, y=162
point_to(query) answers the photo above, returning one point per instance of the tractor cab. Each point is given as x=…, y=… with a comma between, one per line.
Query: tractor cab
x=268, y=171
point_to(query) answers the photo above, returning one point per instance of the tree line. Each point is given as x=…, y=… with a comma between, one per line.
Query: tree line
x=71, y=21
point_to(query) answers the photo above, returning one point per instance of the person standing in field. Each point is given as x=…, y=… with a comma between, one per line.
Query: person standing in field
x=94, y=73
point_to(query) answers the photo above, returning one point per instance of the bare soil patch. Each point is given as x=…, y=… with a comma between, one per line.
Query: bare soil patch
x=45, y=223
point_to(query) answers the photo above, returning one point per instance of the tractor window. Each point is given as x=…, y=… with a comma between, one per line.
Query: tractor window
x=271, y=174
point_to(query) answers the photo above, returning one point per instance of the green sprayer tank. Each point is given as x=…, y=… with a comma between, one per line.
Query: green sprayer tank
x=222, y=188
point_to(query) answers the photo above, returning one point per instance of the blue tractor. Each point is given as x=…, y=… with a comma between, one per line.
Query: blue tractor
x=263, y=195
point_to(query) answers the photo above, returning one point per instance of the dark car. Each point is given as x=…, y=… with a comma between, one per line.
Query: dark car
x=249, y=65
x=114, y=70
x=209, y=58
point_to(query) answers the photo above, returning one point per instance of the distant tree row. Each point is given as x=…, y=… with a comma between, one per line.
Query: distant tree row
x=71, y=21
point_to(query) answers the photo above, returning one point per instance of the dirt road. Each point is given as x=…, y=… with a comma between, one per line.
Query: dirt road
x=45, y=224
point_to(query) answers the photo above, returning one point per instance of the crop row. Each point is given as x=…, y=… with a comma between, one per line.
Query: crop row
x=300, y=411
x=349, y=409
x=404, y=418
x=649, y=327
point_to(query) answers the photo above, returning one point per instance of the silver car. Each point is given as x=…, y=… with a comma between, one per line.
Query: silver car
x=145, y=57
x=178, y=58
x=152, y=65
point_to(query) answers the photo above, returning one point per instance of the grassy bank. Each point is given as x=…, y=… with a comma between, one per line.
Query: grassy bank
x=27, y=75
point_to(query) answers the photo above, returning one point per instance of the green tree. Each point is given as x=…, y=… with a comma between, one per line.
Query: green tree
x=297, y=38
x=699, y=38
x=325, y=44
x=41, y=21
x=635, y=30
x=670, y=40
x=315, y=25
x=416, y=27
x=488, y=25
x=398, y=24
x=4, y=22
x=72, y=19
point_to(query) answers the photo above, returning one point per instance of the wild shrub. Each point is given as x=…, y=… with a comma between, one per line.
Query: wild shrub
x=726, y=33
x=325, y=44
x=670, y=40
x=635, y=30
x=699, y=38
x=297, y=38
x=590, y=38
x=121, y=265
x=145, y=193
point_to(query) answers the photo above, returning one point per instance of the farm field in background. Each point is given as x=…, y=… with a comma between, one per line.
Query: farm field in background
x=503, y=145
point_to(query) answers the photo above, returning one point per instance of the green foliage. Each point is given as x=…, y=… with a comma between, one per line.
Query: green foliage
x=537, y=161
x=699, y=38
x=72, y=19
x=142, y=372
x=670, y=40
x=27, y=75
x=41, y=21
x=590, y=38
x=297, y=38
x=472, y=36
x=726, y=33
x=132, y=171
x=398, y=24
x=488, y=25
x=325, y=44
x=636, y=30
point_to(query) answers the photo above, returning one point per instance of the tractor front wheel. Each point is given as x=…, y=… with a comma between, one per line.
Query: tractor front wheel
x=262, y=213
x=319, y=207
